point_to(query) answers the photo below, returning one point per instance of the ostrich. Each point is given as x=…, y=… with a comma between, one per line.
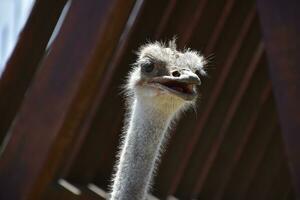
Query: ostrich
x=161, y=84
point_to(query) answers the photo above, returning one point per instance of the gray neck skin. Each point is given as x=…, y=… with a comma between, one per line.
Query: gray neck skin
x=140, y=152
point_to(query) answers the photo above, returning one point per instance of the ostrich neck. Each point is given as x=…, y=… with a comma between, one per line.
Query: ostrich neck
x=140, y=152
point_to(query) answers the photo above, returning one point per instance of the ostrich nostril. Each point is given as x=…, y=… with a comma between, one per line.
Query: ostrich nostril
x=176, y=73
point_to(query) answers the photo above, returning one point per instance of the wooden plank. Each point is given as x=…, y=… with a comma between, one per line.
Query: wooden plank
x=88, y=167
x=169, y=10
x=211, y=102
x=261, y=182
x=219, y=117
x=25, y=58
x=193, y=23
x=281, y=30
x=63, y=190
x=265, y=94
x=59, y=96
x=219, y=27
x=215, y=24
x=59, y=192
x=258, y=53
x=253, y=153
x=102, y=89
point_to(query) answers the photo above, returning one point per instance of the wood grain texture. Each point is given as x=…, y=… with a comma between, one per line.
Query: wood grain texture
x=25, y=59
x=59, y=96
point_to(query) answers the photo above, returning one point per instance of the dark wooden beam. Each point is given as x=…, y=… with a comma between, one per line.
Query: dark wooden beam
x=219, y=27
x=193, y=23
x=60, y=96
x=265, y=94
x=253, y=154
x=213, y=98
x=281, y=29
x=25, y=58
x=258, y=53
x=87, y=167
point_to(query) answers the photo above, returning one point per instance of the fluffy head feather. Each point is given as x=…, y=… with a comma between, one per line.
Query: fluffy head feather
x=178, y=70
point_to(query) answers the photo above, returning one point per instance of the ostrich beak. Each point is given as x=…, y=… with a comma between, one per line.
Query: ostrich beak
x=189, y=77
x=183, y=86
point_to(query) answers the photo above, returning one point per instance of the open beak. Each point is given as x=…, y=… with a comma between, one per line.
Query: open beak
x=183, y=86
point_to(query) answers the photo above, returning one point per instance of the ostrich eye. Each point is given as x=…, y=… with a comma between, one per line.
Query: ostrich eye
x=198, y=73
x=148, y=67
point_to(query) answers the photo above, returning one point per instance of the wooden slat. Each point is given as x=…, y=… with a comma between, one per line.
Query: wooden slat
x=59, y=96
x=281, y=29
x=211, y=102
x=261, y=181
x=216, y=26
x=102, y=88
x=219, y=27
x=219, y=116
x=63, y=190
x=193, y=22
x=266, y=93
x=253, y=154
x=165, y=19
x=25, y=58
x=58, y=192
x=98, y=169
x=176, y=22
x=228, y=117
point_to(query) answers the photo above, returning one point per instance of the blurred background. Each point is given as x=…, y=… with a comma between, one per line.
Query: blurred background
x=64, y=61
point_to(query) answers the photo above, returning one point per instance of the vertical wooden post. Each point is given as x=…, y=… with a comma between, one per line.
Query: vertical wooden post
x=281, y=30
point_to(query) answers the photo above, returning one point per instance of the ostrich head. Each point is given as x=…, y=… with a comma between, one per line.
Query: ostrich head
x=165, y=78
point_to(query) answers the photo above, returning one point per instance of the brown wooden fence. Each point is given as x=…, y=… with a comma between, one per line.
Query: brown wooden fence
x=62, y=110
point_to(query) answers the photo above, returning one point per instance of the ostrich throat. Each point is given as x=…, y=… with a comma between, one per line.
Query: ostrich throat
x=146, y=133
